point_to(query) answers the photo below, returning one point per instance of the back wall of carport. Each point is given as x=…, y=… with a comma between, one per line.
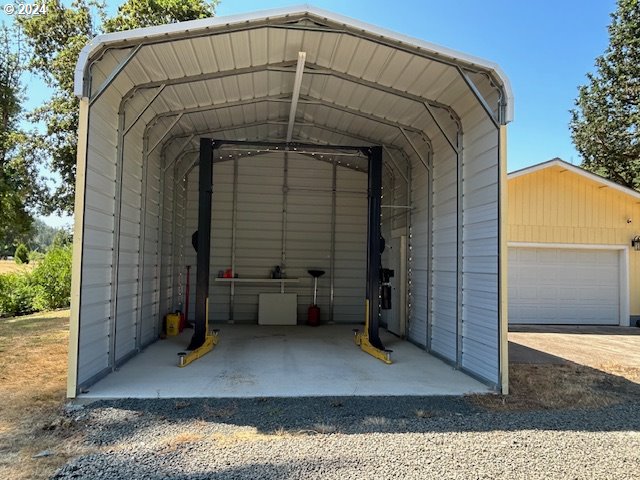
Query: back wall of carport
x=147, y=96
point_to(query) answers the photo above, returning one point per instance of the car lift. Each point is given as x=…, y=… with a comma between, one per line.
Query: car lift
x=369, y=340
x=203, y=341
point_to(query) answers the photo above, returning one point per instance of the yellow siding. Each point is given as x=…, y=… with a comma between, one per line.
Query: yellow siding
x=554, y=205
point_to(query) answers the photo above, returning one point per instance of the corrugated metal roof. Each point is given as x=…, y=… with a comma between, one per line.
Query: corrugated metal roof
x=260, y=40
x=209, y=76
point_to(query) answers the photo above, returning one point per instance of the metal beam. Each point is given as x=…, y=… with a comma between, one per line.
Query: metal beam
x=410, y=142
x=184, y=145
x=315, y=69
x=115, y=259
x=173, y=124
x=435, y=120
x=373, y=245
x=478, y=95
x=112, y=76
x=211, y=133
x=284, y=98
x=297, y=82
x=205, y=186
x=157, y=94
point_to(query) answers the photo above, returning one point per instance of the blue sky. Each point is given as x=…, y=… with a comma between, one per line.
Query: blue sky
x=545, y=47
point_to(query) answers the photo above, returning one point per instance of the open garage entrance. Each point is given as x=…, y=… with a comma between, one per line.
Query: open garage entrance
x=279, y=100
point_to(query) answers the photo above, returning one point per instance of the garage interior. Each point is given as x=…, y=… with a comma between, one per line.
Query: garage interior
x=267, y=124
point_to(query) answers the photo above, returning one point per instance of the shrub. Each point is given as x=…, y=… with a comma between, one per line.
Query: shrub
x=17, y=295
x=52, y=279
x=22, y=254
x=35, y=256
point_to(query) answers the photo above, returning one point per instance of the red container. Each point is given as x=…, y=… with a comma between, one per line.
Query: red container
x=313, y=316
x=183, y=322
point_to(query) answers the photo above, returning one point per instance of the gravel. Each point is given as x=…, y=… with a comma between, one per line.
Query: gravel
x=349, y=438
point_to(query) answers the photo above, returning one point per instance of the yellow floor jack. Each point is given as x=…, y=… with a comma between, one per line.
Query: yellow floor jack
x=210, y=341
x=361, y=339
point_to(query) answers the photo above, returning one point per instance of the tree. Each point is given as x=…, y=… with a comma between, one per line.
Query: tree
x=605, y=123
x=146, y=13
x=22, y=254
x=56, y=40
x=19, y=187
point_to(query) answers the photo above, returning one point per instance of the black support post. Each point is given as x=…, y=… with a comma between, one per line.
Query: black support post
x=205, y=187
x=373, y=244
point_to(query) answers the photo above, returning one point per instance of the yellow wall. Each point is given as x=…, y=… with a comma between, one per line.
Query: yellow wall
x=554, y=205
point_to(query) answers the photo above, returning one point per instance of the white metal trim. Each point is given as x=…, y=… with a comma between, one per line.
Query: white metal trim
x=624, y=307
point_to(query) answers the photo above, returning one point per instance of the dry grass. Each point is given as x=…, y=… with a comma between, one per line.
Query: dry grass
x=33, y=363
x=10, y=266
x=564, y=386
x=171, y=444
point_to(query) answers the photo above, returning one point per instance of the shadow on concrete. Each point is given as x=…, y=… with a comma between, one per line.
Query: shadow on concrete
x=520, y=354
x=576, y=329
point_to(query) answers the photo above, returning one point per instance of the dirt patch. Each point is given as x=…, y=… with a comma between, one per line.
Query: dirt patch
x=35, y=435
x=552, y=386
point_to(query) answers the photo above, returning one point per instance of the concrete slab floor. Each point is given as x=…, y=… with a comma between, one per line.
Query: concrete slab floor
x=265, y=361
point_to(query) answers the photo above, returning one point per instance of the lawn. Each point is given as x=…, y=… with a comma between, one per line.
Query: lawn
x=33, y=364
x=10, y=266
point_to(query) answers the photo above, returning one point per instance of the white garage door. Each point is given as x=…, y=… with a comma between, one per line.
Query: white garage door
x=564, y=286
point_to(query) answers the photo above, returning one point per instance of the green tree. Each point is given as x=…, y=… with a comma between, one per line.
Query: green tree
x=605, y=123
x=145, y=13
x=56, y=40
x=22, y=254
x=19, y=190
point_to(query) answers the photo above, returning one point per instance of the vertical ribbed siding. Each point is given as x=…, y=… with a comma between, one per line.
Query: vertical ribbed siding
x=308, y=238
x=99, y=205
x=444, y=253
x=419, y=261
x=480, y=343
x=351, y=246
x=308, y=234
x=167, y=232
x=128, y=248
x=150, y=274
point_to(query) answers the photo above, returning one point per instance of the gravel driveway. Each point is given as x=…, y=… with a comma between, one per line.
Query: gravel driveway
x=349, y=438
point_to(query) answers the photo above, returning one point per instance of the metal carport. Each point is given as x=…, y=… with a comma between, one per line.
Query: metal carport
x=302, y=75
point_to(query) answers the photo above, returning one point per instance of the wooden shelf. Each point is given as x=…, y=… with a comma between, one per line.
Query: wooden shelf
x=257, y=280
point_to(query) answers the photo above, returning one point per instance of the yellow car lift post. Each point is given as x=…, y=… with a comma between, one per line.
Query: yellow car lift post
x=369, y=340
x=362, y=340
x=210, y=341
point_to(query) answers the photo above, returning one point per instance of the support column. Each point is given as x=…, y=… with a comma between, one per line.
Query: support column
x=205, y=190
x=373, y=245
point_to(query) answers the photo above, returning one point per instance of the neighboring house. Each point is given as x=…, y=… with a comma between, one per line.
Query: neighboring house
x=571, y=256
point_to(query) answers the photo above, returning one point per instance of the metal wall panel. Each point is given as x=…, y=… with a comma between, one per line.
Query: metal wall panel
x=128, y=247
x=308, y=234
x=99, y=205
x=480, y=342
x=351, y=246
x=444, y=254
x=419, y=255
x=150, y=244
